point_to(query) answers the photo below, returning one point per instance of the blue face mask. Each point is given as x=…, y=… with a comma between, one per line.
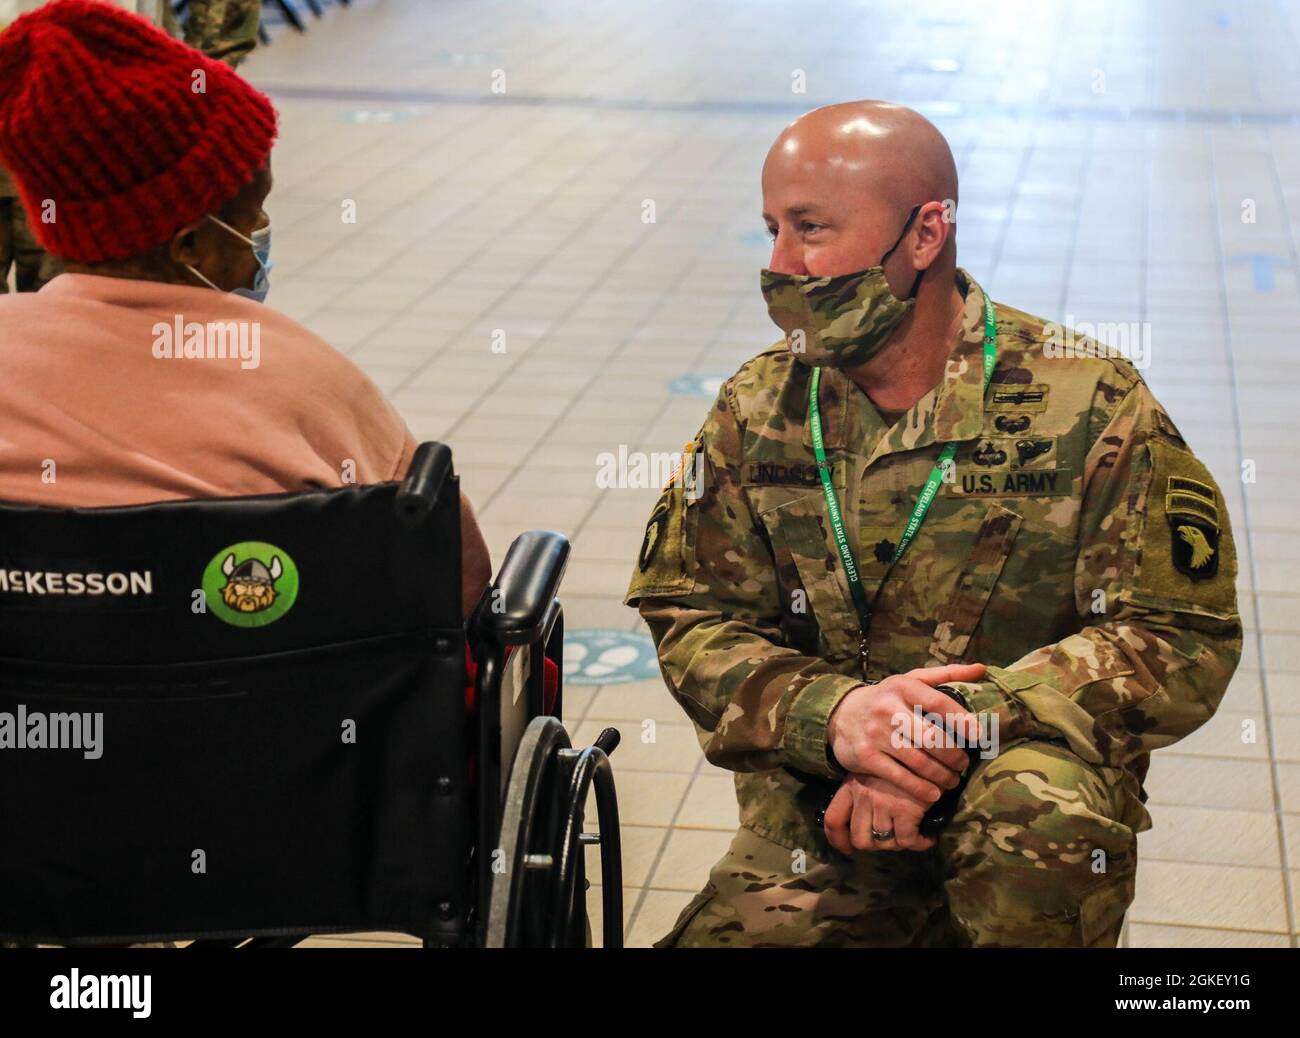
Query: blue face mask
x=261, y=243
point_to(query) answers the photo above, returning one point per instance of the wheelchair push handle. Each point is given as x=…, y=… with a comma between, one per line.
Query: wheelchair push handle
x=418, y=495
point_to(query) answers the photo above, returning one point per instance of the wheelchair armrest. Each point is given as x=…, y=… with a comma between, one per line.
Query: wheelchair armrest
x=518, y=605
x=420, y=490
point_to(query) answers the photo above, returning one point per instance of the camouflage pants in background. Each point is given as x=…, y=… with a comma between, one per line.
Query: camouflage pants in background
x=32, y=265
x=223, y=29
x=1041, y=853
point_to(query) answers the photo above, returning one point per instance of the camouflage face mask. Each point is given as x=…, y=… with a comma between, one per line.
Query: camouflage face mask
x=840, y=321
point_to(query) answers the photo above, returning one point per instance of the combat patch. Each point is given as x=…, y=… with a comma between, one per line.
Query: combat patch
x=1003, y=397
x=654, y=536
x=665, y=561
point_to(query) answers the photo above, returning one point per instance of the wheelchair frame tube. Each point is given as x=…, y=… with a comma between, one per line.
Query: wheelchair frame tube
x=491, y=673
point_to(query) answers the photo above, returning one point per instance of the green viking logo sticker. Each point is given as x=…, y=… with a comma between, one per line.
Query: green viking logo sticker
x=250, y=584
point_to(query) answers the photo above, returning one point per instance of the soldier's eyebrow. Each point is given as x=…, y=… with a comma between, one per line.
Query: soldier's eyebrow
x=795, y=211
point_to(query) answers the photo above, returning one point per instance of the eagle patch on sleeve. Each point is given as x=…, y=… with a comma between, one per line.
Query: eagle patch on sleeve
x=1187, y=551
x=1192, y=509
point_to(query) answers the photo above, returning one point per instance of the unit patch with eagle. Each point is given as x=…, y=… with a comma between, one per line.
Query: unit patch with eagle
x=1187, y=552
x=1192, y=510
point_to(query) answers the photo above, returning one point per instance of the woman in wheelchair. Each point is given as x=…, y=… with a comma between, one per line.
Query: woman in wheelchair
x=152, y=369
x=153, y=373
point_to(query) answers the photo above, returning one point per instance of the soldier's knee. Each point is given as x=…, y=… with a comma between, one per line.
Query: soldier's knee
x=1039, y=806
x=1039, y=852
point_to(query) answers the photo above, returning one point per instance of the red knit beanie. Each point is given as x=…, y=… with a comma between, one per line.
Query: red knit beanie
x=102, y=114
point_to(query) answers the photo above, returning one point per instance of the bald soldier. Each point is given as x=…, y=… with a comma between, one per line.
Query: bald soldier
x=936, y=590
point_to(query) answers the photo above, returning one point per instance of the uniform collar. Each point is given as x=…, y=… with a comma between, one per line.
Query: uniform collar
x=958, y=412
x=953, y=411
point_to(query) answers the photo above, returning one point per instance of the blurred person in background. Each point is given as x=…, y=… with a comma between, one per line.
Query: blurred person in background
x=113, y=390
x=223, y=29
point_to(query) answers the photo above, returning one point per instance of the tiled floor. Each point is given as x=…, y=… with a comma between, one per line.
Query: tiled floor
x=501, y=157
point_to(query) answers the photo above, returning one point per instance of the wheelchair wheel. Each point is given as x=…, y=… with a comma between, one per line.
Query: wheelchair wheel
x=538, y=896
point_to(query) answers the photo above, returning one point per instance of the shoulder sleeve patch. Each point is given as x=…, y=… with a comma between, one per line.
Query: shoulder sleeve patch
x=665, y=563
x=1187, y=554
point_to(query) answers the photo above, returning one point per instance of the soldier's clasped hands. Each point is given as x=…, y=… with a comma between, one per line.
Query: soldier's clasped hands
x=897, y=768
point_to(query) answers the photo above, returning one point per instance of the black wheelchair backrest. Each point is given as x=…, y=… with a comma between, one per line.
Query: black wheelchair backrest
x=236, y=716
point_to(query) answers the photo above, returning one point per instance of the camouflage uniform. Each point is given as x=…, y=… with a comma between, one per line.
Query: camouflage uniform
x=18, y=247
x=1080, y=550
x=223, y=29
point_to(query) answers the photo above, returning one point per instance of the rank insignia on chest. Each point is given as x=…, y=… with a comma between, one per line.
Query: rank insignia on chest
x=1193, y=513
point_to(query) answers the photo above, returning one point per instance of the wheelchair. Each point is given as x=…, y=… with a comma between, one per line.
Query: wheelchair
x=244, y=721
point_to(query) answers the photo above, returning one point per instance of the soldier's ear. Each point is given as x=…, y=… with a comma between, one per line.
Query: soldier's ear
x=932, y=232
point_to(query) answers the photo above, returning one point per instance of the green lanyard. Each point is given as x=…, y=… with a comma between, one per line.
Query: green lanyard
x=922, y=503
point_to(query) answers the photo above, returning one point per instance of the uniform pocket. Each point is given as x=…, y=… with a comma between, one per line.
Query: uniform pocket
x=697, y=905
x=810, y=573
x=1101, y=913
x=960, y=614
